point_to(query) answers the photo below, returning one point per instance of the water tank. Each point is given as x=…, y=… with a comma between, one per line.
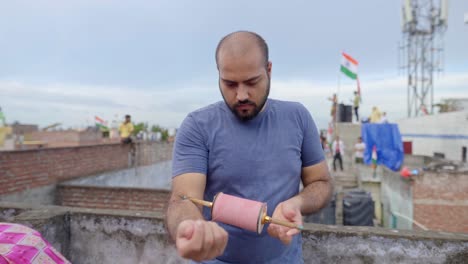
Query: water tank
x=345, y=113
x=358, y=208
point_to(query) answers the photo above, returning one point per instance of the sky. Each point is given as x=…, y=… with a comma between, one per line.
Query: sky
x=67, y=61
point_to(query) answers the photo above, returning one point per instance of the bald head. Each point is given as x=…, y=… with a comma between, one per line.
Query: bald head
x=241, y=43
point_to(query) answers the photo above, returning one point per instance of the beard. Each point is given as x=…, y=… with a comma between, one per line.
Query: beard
x=243, y=115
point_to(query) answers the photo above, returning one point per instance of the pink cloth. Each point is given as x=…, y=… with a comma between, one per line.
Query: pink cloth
x=22, y=245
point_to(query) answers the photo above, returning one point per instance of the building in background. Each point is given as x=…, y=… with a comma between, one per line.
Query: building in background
x=443, y=135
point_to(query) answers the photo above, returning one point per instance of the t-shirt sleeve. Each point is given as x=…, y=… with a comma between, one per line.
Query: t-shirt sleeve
x=312, y=152
x=190, y=153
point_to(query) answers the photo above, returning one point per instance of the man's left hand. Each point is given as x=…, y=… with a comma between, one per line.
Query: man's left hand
x=287, y=211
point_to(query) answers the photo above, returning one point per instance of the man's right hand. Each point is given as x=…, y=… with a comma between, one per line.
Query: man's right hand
x=200, y=240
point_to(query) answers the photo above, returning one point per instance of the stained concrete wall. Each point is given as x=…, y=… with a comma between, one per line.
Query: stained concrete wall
x=103, y=236
x=119, y=239
x=396, y=193
x=39, y=195
x=397, y=199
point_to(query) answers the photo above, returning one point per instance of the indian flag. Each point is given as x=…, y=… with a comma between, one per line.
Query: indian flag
x=374, y=157
x=100, y=123
x=349, y=66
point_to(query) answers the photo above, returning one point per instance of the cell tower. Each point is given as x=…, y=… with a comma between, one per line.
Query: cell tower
x=423, y=25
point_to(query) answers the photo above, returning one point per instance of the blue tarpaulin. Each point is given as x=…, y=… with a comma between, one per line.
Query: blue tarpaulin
x=387, y=139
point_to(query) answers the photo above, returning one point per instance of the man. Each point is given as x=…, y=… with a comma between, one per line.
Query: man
x=334, y=106
x=338, y=148
x=359, y=148
x=251, y=147
x=384, y=119
x=126, y=129
x=375, y=115
x=357, y=100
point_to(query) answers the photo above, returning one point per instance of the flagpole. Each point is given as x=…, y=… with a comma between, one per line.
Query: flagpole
x=337, y=105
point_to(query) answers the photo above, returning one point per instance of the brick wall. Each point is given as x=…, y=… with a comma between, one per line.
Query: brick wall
x=440, y=201
x=112, y=198
x=21, y=170
x=26, y=169
x=69, y=138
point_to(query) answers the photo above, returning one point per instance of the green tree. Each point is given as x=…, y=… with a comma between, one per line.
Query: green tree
x=164, y=132
x=449, y=105
x=140, y=127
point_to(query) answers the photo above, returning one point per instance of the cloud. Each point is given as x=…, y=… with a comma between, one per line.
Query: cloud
x=76, y=105
x=389, y=94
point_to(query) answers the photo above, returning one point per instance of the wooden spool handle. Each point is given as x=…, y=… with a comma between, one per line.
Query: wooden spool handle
x=198, y=201
x=266, y=218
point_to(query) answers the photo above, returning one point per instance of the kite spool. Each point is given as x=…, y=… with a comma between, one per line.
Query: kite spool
x=244, y=213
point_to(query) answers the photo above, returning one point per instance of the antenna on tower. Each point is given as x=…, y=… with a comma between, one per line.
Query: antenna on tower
x=408, y=11
x=443, y=12
x=421, y=51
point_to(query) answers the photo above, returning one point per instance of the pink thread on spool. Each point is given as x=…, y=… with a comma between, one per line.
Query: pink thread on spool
x=243, y=213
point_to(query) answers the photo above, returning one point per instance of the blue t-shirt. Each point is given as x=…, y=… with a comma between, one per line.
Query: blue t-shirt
x=260, y=159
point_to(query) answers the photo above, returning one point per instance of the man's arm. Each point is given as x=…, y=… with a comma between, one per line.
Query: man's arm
x=318, y=188
x=315, y=195
x=195, y=238
x=178, y=210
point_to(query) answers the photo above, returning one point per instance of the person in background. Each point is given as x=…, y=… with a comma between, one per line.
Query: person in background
x=126, y=129
x=334, y=106
x=356, y=102
x=375, y=115
x=323, y=140
x=384, y=119
x=338, y=149
x=359, y=148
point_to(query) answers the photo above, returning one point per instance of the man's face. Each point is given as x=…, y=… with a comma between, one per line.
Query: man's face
x=244, y=82
x=128, y=120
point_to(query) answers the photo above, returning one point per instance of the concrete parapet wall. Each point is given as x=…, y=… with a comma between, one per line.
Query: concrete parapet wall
x=110, y=236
